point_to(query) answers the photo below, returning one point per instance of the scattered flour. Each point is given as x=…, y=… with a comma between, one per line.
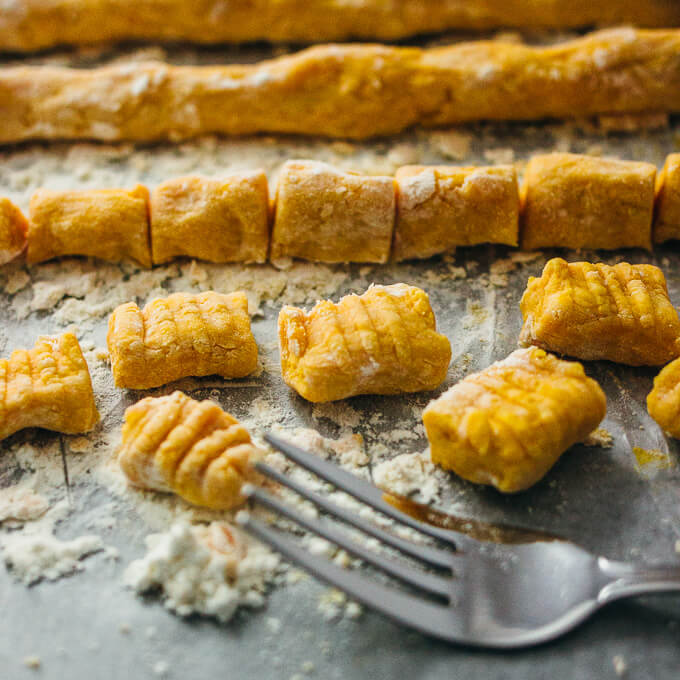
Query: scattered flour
x=33, y=557
x=409, y=474
x=21, y=504
x=209, y=570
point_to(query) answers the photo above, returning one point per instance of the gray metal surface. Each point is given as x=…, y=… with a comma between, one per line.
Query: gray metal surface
x=599, y=498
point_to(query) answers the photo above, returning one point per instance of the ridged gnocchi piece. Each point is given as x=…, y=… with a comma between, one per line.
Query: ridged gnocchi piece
x=191, y=448
x=48, y=386
x=13, y=229
x=382, y=342
x=179, y=336
x=508, y=425
x=442, y=207
x=667, y=219
x=218, y=220
x=572, y=201
x=110, y=224
x=326, y=215
x=663, y=402
x=619, y=313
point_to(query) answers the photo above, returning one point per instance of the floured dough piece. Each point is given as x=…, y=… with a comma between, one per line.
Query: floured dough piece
x=218, y=220
x=36, y=24
x=110, y=224
x=572, y=201
x=508, y=425
x=179, y=336
x=13, y=229
x=667, y=218
x=48, y=386
x=442, y=207
x=327, y=215
x=619, y=313
x=382, y=342
x=663, y=402
x=348, y=91
x=191, y=448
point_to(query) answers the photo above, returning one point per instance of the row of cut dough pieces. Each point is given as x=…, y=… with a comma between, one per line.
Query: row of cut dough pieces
x=454, y=426
x=347, y=91
x=382, y=342
x=325, y=215
x=175, y=444
x=205, y=456
x=37, y=25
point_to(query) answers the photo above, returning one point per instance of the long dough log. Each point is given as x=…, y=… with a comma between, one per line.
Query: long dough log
x=39, y=24
x=351, y=91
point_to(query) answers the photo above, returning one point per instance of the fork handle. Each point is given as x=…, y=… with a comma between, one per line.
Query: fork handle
x=630, y=580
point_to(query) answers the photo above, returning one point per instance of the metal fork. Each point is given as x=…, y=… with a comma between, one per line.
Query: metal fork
x=476, y=592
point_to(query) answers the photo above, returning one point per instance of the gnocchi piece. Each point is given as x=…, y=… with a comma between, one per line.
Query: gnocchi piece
x=381, y=342
x=218, y=220
x=191, y=448
x=13, y=228
x=48, y=386
x=667, y=219
x=590, y=311
x=571, y=201
x=179, y=336
x=110, y=224
x=326, y=215
x=440, y=207
x=508, y=425
x=663, y=402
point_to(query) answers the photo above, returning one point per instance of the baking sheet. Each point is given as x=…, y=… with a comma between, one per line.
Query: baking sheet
x=88, y=625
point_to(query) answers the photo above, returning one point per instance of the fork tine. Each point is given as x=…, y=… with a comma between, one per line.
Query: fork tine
x=430, y=583
x=432, y=556
x=427, y=617
x=353, y=485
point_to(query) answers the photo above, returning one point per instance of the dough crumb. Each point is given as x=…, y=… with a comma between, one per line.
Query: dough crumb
x=33, y=662
x=161, y=668
x=334, y=605
x=452, y=144
x=620, y=665
x=599, y=437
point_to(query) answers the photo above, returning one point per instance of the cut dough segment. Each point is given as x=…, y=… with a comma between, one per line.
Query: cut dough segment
x=219, y=220
x=619, y=313
x=508, y=425
x=381, y=342
x=349, y=91
x=179, y=336
x=327, y=215
x=13, y=229
x=441, y=207
x=663, y=402
x=192, y=448
x=48, y=386
x=667, y=218
x=36, y=24
x=111, y=224
x=571, y=201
